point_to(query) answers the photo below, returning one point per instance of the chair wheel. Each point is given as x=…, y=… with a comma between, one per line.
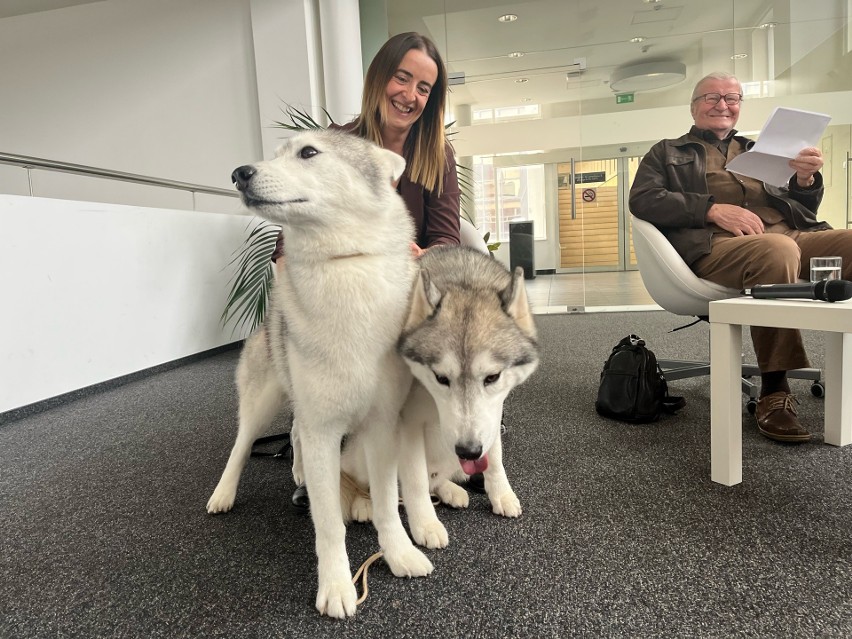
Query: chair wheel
x=751, y=406
x=818, y=389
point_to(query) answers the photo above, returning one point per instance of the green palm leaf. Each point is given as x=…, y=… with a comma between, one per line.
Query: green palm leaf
x=300, y=120
x=252, y=278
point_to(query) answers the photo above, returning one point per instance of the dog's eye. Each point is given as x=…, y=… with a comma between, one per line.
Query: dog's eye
x=307, y=152
x=490, y=379
x=443, y=380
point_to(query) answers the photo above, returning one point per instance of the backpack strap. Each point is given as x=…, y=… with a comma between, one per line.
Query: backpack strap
x=672, y=403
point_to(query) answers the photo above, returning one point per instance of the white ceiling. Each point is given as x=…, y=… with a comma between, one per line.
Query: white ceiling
x=554, y=33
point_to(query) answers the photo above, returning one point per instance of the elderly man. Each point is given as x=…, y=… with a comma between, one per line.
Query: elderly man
x=737, y=231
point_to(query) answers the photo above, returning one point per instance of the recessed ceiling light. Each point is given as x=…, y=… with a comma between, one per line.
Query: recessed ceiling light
x=768, y=25
x=638, y=39
x=516, y=54
x=526, y=99
x=652, y=1
x=521, y=80
x=739, y=56
x=509, y=17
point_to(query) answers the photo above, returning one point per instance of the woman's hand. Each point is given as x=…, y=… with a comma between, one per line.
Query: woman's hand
x=808, y=162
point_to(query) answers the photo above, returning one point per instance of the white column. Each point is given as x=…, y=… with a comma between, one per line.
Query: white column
x=287, y=64
x=340, y=27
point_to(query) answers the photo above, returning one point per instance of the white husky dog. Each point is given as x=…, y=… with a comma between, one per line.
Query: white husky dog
x=469, y=340
x=328, y=341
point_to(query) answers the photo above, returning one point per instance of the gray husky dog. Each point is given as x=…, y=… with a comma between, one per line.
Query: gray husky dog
x=469, y=340
x=329, y=339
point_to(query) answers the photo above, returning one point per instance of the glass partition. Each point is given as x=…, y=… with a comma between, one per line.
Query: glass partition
x=555, y=102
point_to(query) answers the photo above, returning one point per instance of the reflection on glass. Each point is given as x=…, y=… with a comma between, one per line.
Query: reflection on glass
x=785, y=54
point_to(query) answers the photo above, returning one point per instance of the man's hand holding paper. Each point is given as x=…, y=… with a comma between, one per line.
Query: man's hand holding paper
x=805, y=164
x=787, y=145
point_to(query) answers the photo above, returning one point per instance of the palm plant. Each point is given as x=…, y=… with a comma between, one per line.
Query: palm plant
x=252, y=279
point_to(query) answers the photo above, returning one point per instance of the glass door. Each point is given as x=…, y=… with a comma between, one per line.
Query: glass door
x=593, y=214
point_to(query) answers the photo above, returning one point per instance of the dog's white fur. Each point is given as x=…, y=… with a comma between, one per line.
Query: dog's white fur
x=470, y=327
x=329, y=338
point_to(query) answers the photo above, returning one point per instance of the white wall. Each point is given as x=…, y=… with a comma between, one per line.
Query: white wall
x=164, y=88
x=92, y=291
x=160, y=88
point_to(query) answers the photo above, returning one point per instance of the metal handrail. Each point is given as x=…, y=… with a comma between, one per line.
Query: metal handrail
x=28, y=162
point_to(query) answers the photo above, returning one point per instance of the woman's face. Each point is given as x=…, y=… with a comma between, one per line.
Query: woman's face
x=409, y=90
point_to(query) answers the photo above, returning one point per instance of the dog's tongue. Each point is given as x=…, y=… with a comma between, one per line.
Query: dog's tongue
x=473, y=466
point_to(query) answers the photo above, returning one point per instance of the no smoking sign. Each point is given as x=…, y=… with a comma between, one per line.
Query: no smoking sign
x=589, y=195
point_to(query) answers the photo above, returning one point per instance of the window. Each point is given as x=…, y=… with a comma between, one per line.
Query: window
x=508, y=194
x=506, y=114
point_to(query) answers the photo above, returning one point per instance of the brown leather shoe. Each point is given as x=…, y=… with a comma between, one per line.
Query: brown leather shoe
x=776, y=418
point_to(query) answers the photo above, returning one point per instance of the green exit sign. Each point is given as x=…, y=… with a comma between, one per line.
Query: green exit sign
x=624, y=98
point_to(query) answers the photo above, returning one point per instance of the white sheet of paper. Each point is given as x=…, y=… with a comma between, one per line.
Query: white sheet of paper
x=786, y=132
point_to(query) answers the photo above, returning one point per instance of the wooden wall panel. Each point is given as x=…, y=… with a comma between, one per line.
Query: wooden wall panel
x=591, y=239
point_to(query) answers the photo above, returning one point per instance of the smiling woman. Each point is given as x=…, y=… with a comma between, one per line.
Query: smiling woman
x=402, y=109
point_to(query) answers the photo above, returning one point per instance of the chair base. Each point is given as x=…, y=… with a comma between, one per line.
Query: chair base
x=682, y=369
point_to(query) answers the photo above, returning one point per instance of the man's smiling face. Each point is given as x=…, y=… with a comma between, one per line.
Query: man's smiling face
x=720, y=117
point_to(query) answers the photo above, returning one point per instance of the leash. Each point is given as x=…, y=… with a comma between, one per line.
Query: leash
x=284, y=450
x=362, y=573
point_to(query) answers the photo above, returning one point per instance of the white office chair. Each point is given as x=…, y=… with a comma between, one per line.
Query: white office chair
x=675, y=287
x=471, y=237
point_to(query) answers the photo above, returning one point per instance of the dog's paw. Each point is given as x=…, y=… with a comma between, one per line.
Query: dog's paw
x=430, y=534
x=506, y=504
x=361, y=509
x=337, y=599
x=452, y=495
x=408, y=562
x=222, y=500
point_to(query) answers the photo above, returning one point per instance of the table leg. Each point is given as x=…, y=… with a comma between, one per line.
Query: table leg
x=838, y=388
x=726, y=412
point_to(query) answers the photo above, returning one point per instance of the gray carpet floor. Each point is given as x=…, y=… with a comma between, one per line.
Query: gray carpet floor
x=104, y=531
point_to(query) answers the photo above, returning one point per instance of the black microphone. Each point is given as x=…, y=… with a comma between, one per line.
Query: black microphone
x=826, y=290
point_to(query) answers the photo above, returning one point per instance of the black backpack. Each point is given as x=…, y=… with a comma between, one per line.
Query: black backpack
x=633, y=388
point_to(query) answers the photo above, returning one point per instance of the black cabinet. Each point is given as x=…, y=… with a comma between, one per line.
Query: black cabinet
x=522, y=247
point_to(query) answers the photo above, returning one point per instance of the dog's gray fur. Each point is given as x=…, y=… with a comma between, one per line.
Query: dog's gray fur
x=469, y=340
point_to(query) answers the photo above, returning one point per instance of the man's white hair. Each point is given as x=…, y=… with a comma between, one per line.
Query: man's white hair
x=716, y=75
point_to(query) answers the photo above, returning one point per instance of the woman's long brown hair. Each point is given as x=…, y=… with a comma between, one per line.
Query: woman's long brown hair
x=424, y=148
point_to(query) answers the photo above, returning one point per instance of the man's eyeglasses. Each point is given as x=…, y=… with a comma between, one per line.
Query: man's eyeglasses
x=713, y=98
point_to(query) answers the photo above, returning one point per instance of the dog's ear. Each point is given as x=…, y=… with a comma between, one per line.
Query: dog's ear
x=394, y=163
x=516, y=305
x=426, y=298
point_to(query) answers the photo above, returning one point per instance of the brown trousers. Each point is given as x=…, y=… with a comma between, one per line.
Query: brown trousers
x=778, y=256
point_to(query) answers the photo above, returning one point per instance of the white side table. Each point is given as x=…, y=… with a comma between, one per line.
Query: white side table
x=727, y=317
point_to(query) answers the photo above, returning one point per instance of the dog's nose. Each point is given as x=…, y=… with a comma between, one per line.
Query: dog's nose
x=242, y=175
x=468, y=451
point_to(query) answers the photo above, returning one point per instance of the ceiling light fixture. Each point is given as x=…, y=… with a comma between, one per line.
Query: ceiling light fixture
x=526, y=99
x=521, y=80
x=647, y=76
x=638, y=39
x=768, y=25
x=509, y=17
x=739, y=56
x=516, y=54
